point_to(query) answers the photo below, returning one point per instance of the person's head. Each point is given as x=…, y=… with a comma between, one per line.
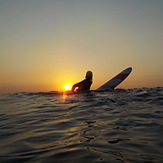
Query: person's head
x=89, y=75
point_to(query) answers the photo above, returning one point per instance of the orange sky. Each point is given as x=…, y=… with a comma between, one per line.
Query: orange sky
x=45, y=45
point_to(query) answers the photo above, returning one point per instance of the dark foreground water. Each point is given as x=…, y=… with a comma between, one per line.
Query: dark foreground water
x=105, y=127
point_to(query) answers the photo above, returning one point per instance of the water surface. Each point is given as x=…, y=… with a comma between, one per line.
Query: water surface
x=105, y=127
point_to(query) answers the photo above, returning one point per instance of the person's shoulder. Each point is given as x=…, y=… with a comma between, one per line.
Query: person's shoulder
x=88, y=81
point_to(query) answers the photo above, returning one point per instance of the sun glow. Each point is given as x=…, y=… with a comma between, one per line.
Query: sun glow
x=67, y=87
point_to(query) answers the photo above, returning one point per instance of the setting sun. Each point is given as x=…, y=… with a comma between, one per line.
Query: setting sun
x=67, y=87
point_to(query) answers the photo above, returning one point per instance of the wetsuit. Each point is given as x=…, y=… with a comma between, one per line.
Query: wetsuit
x=83, y=85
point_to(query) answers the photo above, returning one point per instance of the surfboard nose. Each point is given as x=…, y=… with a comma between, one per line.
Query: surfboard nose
x=115, y=81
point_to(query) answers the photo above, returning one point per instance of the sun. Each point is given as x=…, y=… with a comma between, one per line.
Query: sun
x=67, y=87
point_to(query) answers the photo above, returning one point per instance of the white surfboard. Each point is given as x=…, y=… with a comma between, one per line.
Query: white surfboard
x=111, y=84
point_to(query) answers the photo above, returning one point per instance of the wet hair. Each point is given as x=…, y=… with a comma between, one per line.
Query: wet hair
x=89, y=75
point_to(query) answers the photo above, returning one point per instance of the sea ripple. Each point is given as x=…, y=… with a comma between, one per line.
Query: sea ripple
x=97, y=126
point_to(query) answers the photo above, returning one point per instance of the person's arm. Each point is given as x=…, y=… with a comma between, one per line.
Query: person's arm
x=76, y=85
x=73, y=87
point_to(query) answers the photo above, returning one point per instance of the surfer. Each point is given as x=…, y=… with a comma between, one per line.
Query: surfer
x=85, y=84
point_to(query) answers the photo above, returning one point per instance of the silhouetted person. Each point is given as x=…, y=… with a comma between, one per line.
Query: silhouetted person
x=85, y=84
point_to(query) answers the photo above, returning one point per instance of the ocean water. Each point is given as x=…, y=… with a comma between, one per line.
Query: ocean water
x=120, y=126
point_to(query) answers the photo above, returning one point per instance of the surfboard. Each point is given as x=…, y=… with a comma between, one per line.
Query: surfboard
x=115, y=81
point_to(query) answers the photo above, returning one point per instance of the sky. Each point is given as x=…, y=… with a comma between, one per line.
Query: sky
x=45, y=44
